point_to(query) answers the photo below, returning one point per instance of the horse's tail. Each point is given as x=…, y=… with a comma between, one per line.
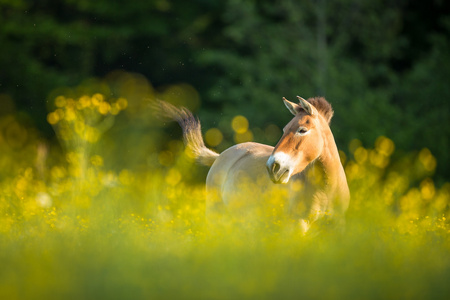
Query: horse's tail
x=192, y=133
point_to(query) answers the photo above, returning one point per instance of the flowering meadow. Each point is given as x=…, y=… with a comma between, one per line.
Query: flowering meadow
x=108, y=211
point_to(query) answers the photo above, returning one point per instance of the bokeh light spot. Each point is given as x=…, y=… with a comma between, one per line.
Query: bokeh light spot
x=70, y=114
x=213, y=137
x=44, y=200
x=360, y=155
x=60, y=101
x=384, y=145
x=244, y=137
x=173, y=176
x=52, y=118
x=427, y=159
x=97, y=99
x=354, y=144
x=427, y=189
x=122, y=103
x=104, y=108
x=239, y=124
x=84, y=101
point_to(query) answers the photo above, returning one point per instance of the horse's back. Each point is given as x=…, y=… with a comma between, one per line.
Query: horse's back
x=239, y=170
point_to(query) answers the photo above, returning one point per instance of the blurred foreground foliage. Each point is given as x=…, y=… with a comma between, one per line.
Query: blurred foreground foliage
x=115, y=213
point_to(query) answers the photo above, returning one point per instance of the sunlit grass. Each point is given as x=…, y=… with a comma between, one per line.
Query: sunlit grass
x=76, y=229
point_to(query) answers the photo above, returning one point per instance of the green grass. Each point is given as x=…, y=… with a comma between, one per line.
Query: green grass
x=80, y=230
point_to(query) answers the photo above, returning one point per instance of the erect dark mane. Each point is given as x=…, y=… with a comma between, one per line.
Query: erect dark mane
x=322, y=106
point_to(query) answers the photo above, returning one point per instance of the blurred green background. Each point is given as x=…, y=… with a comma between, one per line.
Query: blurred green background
x=99, y=200
x=384, y=65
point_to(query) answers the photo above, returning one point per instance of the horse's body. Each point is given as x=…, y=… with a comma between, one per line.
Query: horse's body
x=305, y=160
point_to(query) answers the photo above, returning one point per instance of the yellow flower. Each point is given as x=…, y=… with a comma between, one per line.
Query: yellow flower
x=85, y=101
x=52, y=118
x=97, y=99
x=60, y=101
x=122, y=103
x=104, y=108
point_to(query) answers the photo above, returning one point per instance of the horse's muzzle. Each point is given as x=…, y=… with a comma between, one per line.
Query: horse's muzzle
x=277, y=173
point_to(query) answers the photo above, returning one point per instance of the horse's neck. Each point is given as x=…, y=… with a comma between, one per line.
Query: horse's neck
x=335, y=182
x=330, y=162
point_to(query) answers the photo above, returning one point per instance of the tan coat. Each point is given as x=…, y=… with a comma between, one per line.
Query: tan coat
x=304, y=167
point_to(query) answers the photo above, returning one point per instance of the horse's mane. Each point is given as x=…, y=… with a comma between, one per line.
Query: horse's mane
x=322, y=106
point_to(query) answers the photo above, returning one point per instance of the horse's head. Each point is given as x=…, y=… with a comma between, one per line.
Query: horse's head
x=302, y=141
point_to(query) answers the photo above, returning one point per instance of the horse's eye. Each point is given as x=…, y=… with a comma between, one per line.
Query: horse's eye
x=302, y=131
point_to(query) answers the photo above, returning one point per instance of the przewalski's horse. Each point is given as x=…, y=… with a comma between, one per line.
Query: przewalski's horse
x=306, y=159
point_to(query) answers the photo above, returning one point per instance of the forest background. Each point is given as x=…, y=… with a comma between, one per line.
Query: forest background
x=384, y=65
x=100, y=200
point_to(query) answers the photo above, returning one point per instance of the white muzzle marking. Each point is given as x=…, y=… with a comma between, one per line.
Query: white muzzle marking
x=284, y=162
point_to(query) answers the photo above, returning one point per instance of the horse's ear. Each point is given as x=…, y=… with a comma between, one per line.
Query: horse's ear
x=306, y=106
x=293, y=108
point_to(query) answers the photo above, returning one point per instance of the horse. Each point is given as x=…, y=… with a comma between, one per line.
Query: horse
x=305, y=161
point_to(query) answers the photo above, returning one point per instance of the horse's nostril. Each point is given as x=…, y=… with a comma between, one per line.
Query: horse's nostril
x=275, y=167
